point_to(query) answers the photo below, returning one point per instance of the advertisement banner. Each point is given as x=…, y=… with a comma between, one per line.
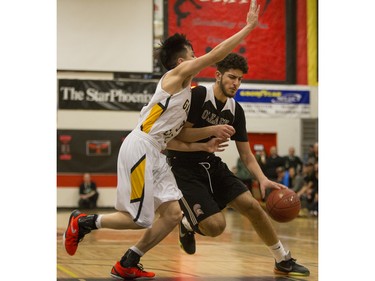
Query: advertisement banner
x=94, y=151
x=104, y=95
x=275, y=103
x=207, y=23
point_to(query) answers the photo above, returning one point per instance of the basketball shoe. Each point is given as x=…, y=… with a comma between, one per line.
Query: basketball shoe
x=290, y=267
x=78, y=226
x=186, y=240
x=129, y=268
x=129, y=273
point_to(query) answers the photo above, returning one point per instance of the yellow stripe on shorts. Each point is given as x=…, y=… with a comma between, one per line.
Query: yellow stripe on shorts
x=137, y=178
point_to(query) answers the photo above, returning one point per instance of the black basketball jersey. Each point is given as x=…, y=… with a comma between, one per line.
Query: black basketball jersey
x=206, y=110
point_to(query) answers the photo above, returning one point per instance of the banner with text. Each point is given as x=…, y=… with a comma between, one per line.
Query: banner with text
x=104, y=95
x=207, y=23
x=275, y=103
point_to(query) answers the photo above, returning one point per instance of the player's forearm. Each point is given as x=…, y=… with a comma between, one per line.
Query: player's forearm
x=179, y=145
x=253, y=166
x=195, y=134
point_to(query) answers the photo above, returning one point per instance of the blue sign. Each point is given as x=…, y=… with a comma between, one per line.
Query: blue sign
x=273, y=96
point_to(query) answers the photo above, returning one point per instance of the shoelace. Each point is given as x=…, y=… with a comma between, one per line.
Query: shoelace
x=140, y=267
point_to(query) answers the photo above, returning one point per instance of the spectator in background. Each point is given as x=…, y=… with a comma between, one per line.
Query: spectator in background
x=308, y=194
x=310, y=150
x=292, y=177
x=312, y=155
x=261, y=157
x=273, y=161
x=283, y=176
x=88, y=194
x=291, y=160
x=297, y=180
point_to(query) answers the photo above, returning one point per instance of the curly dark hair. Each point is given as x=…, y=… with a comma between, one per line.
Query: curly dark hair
x=171, y=49
x=232, y=61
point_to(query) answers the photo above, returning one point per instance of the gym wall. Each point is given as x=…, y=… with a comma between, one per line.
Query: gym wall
x=74, y=64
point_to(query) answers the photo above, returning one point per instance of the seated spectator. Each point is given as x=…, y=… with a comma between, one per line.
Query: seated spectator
x=310, y=152
x=273, y=161
x=88, y=194
x=283, y=176
x=261, y=157
x=313, y=155
x=299, y=178
x=308, y=194
x=293, y=177
x=291, y=160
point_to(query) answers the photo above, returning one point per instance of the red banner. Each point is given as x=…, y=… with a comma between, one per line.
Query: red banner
x=206, y=23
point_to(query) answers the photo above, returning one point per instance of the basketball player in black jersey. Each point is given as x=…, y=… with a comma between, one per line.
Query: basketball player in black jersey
x=208, y=186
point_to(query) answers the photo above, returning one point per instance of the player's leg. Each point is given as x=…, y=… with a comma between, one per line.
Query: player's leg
x=165, y=196
x=129, y=265
x=248, y=206
x=201, y=213
x=81, y=224
x=213, y=226
x=169, y=216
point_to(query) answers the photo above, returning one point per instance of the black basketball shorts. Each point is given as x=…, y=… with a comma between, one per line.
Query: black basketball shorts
x=207, y=188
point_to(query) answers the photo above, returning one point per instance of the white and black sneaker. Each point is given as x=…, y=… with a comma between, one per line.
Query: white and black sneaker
x=186, y=239
x=290, y=267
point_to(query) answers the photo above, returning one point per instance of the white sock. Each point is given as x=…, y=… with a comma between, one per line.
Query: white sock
x=98, y=221
x=135, y=249
x=186, y=223
x=278, y=251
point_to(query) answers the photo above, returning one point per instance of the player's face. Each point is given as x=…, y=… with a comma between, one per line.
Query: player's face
x=190, y=54
x=230, y=81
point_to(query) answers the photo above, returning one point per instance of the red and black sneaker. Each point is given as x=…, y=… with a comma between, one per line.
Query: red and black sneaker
x=74, y=232
x=129, y=273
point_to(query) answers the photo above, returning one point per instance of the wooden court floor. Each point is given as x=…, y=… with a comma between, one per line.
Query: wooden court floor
x=237, y=255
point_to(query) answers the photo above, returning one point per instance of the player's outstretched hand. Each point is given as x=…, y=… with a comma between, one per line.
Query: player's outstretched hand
x=216, y=145
x=270, y=184
x=223, y=131
x=252, y=15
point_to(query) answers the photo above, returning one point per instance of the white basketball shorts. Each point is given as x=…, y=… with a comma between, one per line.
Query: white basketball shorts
x=144, y=179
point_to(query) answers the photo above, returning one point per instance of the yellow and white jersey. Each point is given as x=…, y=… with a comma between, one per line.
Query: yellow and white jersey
x=164, y=116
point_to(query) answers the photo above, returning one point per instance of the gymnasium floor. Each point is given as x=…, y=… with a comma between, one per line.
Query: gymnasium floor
x=237, y=255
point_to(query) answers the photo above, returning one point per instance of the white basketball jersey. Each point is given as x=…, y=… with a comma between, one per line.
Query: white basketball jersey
x=164, y=116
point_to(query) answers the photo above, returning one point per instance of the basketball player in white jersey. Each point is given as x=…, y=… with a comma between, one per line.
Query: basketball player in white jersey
x=145, y=183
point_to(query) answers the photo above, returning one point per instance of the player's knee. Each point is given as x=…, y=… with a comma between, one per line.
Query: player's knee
x=213, y=226
x=171, y=211
x=174, y=214
x=247, y=204
x=253, y=206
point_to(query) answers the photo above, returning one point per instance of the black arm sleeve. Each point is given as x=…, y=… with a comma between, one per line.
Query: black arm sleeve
x=239, y=124
x=198, y=95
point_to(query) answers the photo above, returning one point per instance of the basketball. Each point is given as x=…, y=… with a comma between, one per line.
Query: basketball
x=283, y=205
